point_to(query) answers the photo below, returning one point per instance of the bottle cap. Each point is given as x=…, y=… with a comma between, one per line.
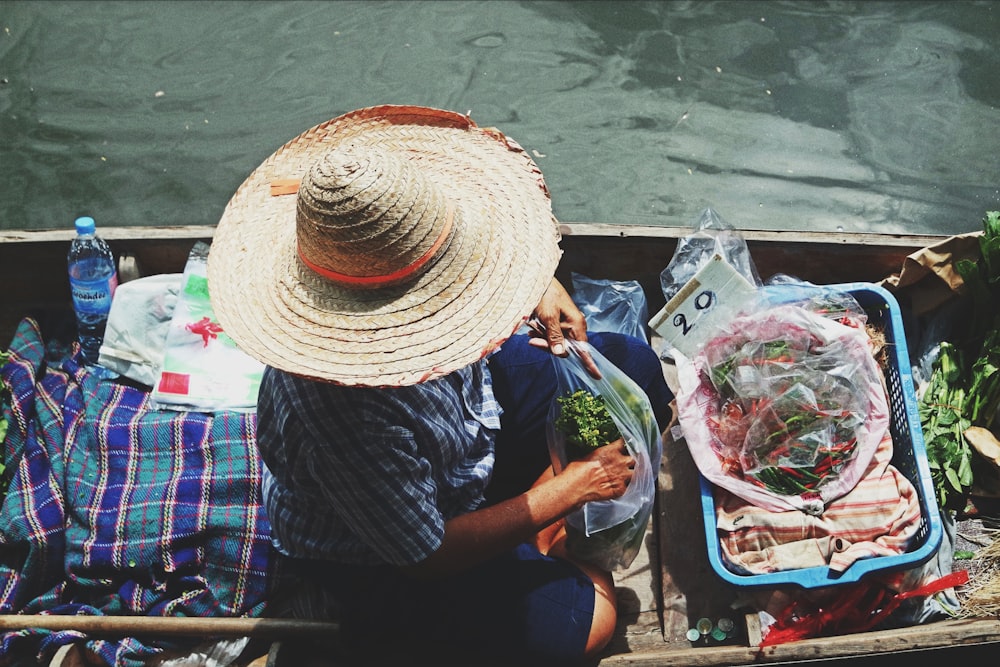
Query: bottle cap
x=85, y=225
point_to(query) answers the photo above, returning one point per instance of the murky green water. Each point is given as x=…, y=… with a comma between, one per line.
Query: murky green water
x=780, y=115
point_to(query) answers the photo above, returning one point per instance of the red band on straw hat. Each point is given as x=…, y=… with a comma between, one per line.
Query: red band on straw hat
x=387, y=278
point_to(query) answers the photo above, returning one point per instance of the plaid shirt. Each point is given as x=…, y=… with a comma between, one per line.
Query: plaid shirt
x=370, y=475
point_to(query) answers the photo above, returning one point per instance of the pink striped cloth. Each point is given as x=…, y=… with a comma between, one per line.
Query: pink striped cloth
x=879, y=517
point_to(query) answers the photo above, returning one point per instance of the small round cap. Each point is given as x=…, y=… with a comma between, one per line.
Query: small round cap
x=85, y=225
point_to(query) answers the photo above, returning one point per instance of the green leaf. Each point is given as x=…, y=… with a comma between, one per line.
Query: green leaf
x=952, y=477
x=585, y=421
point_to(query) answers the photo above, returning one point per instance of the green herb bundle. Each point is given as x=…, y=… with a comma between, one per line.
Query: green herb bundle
x=585, y=421
x=964, y=387
x=586, y=424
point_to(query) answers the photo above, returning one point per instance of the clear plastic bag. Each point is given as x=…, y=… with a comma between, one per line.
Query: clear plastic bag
x=830, y=302
x=618, y=306
x=786, y=406
x=711, y=236
x=136, y=333
x=202, y=367
x=608, y=533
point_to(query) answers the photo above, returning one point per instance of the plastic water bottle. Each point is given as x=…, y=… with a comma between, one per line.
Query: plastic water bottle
x=92, y=280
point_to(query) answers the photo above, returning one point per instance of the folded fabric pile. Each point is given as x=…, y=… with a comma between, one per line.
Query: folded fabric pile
x=115, y=508
x=880, y=516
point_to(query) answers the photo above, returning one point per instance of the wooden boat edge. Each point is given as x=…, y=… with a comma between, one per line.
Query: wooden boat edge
x=568, y=229
x=931, y=636
x=641, y=641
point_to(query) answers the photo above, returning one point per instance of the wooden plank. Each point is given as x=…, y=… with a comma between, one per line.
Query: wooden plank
x=181, y=626
x=690, y=588
x=64, y=236
x=754, y=236
x=568, y=229
x=938, y=635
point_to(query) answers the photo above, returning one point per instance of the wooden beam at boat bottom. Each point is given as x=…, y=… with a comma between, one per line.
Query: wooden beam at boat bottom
x=175, y=626
x=940, y=635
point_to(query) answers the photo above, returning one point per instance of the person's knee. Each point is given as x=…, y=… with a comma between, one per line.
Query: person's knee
x=602, y=628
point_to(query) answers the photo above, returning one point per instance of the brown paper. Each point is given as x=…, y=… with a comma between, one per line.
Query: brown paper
x=928, y=277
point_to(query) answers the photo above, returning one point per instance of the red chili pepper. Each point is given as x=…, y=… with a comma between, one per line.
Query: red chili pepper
x=780, y=450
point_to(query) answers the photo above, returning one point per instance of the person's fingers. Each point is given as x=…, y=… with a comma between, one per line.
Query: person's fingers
x=575, y=327
x=618, y=467
x=557, y=342
x=540, y=343
x=589, y=364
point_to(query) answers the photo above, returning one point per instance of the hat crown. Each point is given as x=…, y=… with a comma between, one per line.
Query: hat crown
x=366, y=218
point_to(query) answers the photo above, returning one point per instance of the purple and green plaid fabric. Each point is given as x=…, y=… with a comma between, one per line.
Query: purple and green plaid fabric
x=116, y=508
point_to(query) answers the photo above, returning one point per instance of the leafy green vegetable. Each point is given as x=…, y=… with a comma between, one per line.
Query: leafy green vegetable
x=964, y=387
x=942, y=418
x=585, y=421
x=981, y=277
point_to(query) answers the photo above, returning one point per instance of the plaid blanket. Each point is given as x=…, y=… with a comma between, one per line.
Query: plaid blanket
x=115, y=508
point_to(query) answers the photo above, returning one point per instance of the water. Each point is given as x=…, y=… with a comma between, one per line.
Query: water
x=779, y=115
x=93, y=281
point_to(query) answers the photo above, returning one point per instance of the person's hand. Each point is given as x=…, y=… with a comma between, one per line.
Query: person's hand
x=556, y=318
x=607, y=471
x=557, y=313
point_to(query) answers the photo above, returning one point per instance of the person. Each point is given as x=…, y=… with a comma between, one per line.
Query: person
x=382, y=265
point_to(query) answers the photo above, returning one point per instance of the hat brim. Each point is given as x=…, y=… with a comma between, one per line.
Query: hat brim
x=500, y=259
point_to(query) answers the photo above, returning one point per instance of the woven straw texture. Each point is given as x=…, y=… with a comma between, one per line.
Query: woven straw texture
x=495, y=264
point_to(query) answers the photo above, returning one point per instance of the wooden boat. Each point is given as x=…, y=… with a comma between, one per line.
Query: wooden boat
x=671, y=584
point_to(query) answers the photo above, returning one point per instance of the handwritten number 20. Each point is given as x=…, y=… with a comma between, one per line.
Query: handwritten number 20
x=702, y=301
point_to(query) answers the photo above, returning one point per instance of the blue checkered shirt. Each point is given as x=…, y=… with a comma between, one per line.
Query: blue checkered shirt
x=363, y=475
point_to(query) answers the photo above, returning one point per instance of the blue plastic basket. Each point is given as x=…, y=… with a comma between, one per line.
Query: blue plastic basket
x=909, y=457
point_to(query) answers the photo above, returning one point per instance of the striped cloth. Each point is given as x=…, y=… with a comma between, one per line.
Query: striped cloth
x=118, y=509
x=880, y=516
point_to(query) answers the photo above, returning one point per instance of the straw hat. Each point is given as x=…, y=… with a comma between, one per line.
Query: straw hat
x=385, y=247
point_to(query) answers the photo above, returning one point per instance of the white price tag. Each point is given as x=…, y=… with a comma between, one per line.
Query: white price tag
x=711, y=298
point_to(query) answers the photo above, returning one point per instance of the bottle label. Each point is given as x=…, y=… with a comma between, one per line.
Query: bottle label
x=93, y=297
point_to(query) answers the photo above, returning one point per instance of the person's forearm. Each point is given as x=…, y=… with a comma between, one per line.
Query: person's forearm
x=472, y=538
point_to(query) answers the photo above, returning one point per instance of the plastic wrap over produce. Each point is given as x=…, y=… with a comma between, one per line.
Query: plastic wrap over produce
x=589, y=412
x=784, y=406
